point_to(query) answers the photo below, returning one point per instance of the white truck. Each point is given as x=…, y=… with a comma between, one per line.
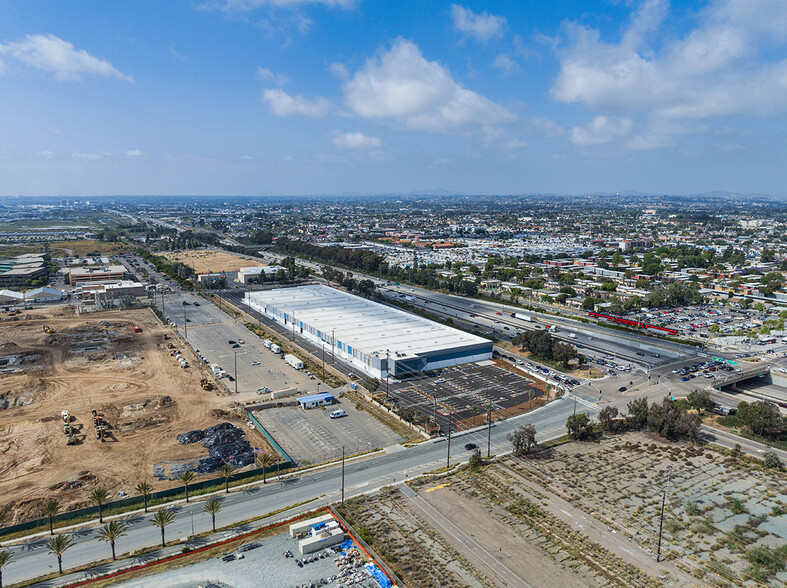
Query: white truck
x=267, y=343
x=275, y=348
x=522, y=317
x=293, y=361
x=551, y=328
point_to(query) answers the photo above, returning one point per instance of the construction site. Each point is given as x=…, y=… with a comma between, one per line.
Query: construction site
x=100, y=399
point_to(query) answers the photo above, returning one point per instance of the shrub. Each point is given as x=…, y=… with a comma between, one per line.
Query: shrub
x=693, y=509
x=771, y=460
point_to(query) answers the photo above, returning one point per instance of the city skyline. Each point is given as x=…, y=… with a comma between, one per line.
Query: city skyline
x=282, y=97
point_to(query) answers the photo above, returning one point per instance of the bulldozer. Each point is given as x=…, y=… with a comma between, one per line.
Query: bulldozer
x=206, y=384
x=100, y=433
x=48, y=329
x=71, y=440
x=68, y=429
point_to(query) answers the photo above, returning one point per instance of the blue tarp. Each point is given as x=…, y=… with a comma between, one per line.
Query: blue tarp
x=349, y=544
x=378, y=575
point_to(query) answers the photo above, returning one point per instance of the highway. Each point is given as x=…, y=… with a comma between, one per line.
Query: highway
x=319, y=487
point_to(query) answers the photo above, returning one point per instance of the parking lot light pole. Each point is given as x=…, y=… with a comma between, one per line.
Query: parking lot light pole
x=489, y=431
x=236, y=372
x=342, y=475
x=448, y=457
x=185, y=326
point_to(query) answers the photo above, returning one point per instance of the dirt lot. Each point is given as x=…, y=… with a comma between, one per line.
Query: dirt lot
x=206, y=261
x=94, y=361
x=724, y=518
x=586, y=514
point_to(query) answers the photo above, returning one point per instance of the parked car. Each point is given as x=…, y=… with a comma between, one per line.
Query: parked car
x=470, y=446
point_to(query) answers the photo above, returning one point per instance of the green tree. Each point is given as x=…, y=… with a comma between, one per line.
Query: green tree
x=475, y=460
x=226, y=471
x=263, y=461
x=111, y=532
x=212, y=507
x=49, y=510
x=579, y=426
x=187, y=478
x=771, y=460
x=5, y=557
x=99, y=496
x=607, y=418
x=637, y=413
x=761, y=417
x=699, y=400
x=161, y=519
x=523, y=439
x=563, y=353
x=58, y=545
x=144, y=489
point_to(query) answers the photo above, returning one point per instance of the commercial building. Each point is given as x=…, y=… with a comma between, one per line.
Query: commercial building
x=20, y=270
x=315, y=400
x=110, y=289
x=376, y=339
x=38, y=295
x=255, y=275
x=96, y=274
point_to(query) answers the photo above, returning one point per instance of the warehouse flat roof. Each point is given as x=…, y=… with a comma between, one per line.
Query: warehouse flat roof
x=365, y=325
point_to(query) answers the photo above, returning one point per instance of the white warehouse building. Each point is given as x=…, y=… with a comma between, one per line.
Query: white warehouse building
x=378, y=340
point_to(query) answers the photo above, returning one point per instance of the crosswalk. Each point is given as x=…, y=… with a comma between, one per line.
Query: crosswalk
x=583, y=401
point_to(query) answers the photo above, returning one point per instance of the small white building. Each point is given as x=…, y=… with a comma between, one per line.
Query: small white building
x=248, y=275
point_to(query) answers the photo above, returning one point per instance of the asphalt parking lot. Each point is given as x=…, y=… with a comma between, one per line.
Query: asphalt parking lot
x=460, y=390
x=209, y=331
x=312, y=436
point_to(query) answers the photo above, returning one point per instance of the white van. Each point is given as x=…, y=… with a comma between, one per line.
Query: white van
x=338, y=414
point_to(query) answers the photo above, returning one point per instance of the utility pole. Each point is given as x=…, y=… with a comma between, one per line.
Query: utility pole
x=236, y=372
x=185, y=326
x=448, y=457
x=323, y=360
x=661, y=519
x=333, y=346
x=342, y=475
x=489, y=431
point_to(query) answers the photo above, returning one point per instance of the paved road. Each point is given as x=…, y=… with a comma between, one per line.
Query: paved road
x=320, y=487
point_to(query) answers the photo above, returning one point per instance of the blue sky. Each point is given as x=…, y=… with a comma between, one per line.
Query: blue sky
x=259, y=97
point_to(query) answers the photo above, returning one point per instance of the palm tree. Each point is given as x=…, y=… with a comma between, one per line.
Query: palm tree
x=57, y=545
x=111, y=532
x=263, y=461
x=49, y=510
x=226, y=471
x=99, y=496
x=145, y=489
x=187, y=478
x=161, y=519
x=212, y=507
x=5, y=557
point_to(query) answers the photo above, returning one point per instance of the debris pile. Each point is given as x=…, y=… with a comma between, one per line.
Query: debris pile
x=225, y=443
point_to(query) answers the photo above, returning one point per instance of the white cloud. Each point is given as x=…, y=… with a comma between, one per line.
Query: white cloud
x=649, y=141
x=513, y=144
x=266, y=75
x=58, y=57
x=46, y=154
x=355, y=141
x=547, y=126
x=602, y=129
x=339, y=70
x=400, y=84
x=731, y=62
x=505, y=64
x=482, y=27
x=133, y=153
x=283, y=104
x=85, y=156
